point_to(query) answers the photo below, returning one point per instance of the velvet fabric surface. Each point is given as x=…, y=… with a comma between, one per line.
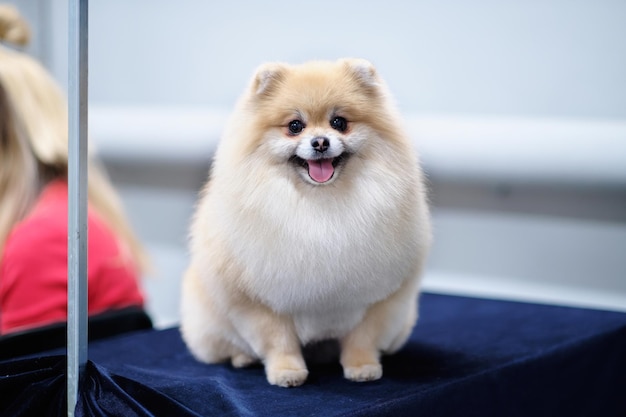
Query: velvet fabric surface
x=467, y=356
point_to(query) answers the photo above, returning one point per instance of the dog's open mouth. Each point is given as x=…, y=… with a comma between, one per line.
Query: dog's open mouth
x=320, y=170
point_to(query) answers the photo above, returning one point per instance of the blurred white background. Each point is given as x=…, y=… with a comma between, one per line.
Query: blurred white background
x=518, y=109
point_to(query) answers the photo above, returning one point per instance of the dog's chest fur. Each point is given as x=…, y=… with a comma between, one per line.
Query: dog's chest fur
x=322, y=258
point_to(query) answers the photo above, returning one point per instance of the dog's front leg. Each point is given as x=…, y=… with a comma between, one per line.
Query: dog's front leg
x=273, y=338
x=384, y=329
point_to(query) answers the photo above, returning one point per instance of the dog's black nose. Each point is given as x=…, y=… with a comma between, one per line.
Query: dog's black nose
x=320, y=144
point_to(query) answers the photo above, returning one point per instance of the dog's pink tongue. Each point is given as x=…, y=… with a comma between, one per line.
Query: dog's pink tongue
x=321, y=169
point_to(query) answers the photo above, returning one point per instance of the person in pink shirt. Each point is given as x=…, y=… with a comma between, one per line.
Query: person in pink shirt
x=33, y=202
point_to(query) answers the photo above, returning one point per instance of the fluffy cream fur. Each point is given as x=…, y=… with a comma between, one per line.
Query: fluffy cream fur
x=280, y=259
x=33, y=139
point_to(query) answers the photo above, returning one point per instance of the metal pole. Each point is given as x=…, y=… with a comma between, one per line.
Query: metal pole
x=77, y=202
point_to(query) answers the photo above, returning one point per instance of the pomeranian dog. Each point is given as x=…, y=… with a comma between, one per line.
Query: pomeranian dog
x=313, y=226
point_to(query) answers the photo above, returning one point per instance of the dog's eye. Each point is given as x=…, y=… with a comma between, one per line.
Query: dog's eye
x=295, y=127
x=339, y=123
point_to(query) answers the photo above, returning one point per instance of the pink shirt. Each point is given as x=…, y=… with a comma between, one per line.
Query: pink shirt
x=33, y=268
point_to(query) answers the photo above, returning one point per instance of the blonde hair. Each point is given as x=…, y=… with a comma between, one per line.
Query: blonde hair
x=34, y=139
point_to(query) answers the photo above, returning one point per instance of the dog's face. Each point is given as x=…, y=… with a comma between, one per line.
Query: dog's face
x=314, y=118
x=318, y=152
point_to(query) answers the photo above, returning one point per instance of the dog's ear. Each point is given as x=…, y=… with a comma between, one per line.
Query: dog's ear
x=267, y=77
x=363, y=71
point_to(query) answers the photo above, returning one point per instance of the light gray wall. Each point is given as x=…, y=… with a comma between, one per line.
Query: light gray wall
x=539, y=58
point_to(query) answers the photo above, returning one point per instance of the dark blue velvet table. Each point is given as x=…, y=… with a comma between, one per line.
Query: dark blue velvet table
x=466, y=357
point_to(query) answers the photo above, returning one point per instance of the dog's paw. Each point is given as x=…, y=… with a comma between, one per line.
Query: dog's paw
x=287, y=377
x=242, y=360
x=361, y=365
x=286, y=370
x=363, y=373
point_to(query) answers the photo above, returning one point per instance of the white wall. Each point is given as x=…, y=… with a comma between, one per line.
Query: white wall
x=540, y=58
